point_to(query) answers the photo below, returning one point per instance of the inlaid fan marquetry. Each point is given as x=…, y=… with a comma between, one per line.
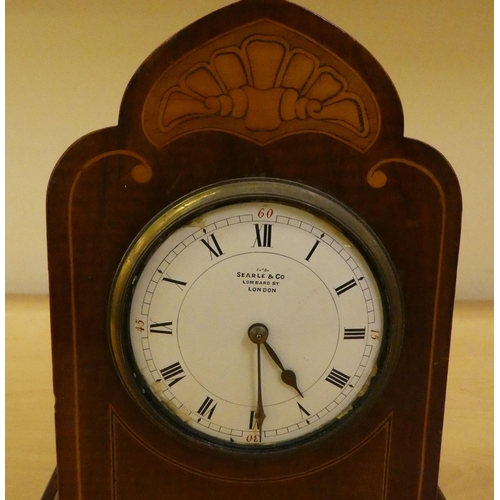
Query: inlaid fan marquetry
x=263, y=87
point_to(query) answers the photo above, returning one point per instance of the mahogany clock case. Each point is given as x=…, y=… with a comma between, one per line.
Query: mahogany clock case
x=257, y=89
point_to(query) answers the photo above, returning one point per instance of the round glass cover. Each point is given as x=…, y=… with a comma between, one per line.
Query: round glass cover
x=253, y=313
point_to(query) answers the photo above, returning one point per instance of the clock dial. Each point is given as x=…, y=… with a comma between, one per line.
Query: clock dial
x=252, y=322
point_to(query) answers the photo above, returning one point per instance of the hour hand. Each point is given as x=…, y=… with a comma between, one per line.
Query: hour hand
x=287, y=376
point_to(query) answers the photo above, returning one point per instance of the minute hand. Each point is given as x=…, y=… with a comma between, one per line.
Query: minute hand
x=287, y=376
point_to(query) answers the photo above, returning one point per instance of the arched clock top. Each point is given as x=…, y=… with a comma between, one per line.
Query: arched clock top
x=266, y=77
x=263, y=88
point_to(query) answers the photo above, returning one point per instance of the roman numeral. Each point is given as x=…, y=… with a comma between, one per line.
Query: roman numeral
x=215, y=249
x=309, y=255
x=263, y=233
x=253, y=422
x=303, y=412
x=170, y=372
x=161, y=328
x=175, y=282
x=346, y=286
x=354, y=333
x=337, y=378
x=207, y=408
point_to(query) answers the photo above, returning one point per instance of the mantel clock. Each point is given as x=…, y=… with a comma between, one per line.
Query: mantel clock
x=252, y=276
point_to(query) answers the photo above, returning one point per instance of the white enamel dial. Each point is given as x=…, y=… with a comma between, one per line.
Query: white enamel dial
x=253, y=323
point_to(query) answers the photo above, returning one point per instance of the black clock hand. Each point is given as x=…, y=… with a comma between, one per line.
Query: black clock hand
x=287, y=376
x=258, y=334
x=259, y=412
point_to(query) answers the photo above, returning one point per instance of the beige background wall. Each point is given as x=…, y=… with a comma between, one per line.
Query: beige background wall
x=69, y=61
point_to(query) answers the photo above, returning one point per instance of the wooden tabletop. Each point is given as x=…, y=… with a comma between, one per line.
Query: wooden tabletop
x=467, y=455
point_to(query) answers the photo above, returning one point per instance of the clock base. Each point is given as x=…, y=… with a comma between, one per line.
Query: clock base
x=52, y=492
